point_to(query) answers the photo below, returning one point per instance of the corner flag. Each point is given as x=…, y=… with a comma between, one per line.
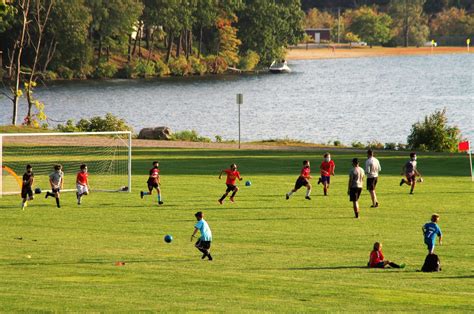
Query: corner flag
x=463, y=146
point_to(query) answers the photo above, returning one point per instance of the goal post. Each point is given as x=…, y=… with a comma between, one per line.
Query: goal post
x=108, y=156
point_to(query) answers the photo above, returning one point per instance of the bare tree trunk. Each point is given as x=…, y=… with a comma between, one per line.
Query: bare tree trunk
x=405, y=25
x=40, y=24
x=99, y=55
x=25, y=9
x=136, y=40
x=129, y=52
x=178, y=48
x=49, y=56
x=147, y=37
x=200, y=42
x=170, y=45
x=190, y=44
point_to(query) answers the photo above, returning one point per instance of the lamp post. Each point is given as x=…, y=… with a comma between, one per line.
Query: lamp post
x=240, y=100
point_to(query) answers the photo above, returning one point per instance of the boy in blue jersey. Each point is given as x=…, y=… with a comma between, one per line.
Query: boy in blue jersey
x=203, y=244
x=430, y=231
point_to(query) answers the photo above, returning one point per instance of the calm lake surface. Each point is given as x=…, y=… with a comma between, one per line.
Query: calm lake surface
x=348, y=100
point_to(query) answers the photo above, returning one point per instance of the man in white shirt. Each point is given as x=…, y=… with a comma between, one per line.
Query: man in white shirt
x=372, y=169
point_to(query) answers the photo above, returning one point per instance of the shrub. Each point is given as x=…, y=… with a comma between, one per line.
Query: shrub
x=375, y=145
x=357, y=145
x=105, y=70
x=337, y=143
x=215, y=64
x=391, y=146
x=161, y=68
x=433, y=134
x=180, y=66
x=84, y=72
x=65, y=72
x=49, y=76
x=191, y=136
x=249, y=61
x=95, y=124
x=127, y=72
x=145, y=69
x=197, y=66
x=218, y=139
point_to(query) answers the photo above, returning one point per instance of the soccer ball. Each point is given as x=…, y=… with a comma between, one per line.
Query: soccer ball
x=37, y=191
x=168, y=238
x=248, y=183
x=420, y=180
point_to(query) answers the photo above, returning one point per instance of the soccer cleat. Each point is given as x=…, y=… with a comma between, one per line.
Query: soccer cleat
x=357, y=215
x=78, y=201
x=47, y=194
x=319, y=181
x=287, y=196
x=308, y=198
x=160, y=203
x=220, y=201
x=402, y=266
x=401, y=182
x=209, y=256
x=376, y=204
x=141, y=194
x=232, y=199
x=204, y=256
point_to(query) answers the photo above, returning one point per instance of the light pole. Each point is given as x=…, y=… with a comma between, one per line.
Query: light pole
x=240, y=100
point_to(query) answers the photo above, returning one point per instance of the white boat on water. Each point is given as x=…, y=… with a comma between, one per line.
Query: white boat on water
x=279, y=67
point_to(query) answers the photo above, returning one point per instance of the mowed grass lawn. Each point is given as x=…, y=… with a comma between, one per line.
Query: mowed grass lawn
x=269, y=254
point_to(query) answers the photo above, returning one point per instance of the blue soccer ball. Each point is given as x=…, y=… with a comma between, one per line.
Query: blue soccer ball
x=248, y=183
x=168, y=238
x=37, y=191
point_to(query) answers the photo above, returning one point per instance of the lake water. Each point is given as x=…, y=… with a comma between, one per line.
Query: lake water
x=348, y=100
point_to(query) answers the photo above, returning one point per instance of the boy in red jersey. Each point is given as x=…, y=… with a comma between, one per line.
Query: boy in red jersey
x=303, y=180
x=82, y=183
x=327, y=170
x=376, y=259
x=232, y=175
x=153, y=182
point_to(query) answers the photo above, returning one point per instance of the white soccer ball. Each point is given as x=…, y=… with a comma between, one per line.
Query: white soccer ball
x=420, y=180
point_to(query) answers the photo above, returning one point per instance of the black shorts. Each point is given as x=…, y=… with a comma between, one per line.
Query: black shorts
x=152, y=184
x=26, y=192
x=203, y=245
x=55, y=190
x=230, y=187
x=300, y=182
x=371, y=183
x=354, y=194
x=411, y=177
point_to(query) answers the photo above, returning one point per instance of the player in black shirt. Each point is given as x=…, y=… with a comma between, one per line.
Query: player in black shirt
x=26, y=190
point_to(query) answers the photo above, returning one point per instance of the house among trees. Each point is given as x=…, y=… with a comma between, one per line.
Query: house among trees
x=319, y=34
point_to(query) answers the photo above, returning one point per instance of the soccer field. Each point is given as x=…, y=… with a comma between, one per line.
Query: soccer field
x=270, y=254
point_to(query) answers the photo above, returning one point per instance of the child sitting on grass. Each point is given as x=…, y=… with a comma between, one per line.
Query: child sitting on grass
x=377, y=259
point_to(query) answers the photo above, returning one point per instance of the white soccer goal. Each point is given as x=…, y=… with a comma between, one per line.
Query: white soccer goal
x=108, y=156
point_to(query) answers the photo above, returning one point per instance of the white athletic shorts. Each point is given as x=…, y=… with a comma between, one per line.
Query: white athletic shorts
x=81, y=189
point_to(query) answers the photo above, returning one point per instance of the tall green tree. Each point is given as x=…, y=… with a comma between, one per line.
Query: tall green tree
x=67, y=37
x=112, y=22
x=410, y=22
x=370, y=25
x=268, y=27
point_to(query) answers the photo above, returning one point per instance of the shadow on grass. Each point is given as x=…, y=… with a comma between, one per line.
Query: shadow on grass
x=327, y=268
x=457, y=277
x=84, y=262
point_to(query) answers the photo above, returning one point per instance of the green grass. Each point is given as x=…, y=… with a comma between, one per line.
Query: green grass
x=270, y=255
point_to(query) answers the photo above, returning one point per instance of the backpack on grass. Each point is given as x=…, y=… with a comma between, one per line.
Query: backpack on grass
x=431, y=264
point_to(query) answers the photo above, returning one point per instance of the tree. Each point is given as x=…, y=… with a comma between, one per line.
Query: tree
x=453, y=22
x=370, y=26
x=410, y=23
x=318, y=19
x=228, y=41
x=112, y=22
x=434, y=134
x=279, y=24
x=206, y=15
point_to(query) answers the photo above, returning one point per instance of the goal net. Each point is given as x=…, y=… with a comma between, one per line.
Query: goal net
x=106, y=154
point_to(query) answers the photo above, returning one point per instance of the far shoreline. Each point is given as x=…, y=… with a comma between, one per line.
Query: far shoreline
x=301, y=53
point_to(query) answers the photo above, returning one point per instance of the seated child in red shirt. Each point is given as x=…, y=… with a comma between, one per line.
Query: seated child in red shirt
x=377, y=259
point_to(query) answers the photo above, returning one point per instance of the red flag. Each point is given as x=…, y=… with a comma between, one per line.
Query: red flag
x=463, y=146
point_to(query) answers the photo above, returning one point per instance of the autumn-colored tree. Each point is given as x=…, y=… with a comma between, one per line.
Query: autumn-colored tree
x=319, y=19
x=228, y=41
x=453, y=22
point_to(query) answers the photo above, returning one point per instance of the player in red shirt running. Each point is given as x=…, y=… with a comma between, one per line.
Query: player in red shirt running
x=327, y=170
x=232, y=175
x=82, y=183
x=153, y=182
x=303, y=180
x=377, y=259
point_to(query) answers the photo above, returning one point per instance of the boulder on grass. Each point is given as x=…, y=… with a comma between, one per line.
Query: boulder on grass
x=159, y=133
